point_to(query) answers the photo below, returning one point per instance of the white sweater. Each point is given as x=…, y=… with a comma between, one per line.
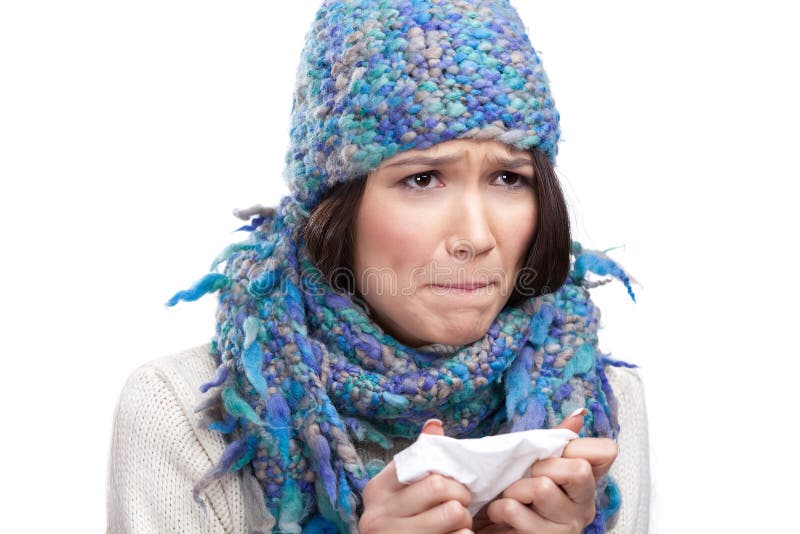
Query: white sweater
x=158, y=453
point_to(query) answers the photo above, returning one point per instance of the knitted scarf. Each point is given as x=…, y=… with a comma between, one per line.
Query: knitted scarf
x=304, y=376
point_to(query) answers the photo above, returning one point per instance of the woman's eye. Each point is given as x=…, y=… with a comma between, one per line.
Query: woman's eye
x=513, y=179
x=420, y=181
x=424, y=181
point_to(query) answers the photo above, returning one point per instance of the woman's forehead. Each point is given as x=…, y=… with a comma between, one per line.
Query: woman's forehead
x=455, y=149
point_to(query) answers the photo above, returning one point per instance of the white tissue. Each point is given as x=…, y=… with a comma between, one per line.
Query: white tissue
x=486, y=466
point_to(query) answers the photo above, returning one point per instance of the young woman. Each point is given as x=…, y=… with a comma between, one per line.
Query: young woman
x=420, y=277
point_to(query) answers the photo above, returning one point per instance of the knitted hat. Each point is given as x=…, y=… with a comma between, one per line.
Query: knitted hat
x=380, y=77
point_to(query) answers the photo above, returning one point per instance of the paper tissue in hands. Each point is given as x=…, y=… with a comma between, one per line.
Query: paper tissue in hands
x=486, y=466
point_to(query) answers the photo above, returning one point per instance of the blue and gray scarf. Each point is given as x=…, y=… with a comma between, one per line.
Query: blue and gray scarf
x=304, y=376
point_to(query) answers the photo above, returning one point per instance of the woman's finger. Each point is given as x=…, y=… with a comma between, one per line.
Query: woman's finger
x=574, y=421
x=382, y=485
x=433, y=504
x=427, y=493
x=441, y=518
x=447, y=517
x=385, y=482
x=549, y=500
x=385, y=494
x=599, y=452
x=572, y=475
x=524, y=520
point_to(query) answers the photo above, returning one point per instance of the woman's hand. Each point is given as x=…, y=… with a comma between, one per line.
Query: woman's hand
x=558, y=498
x=435, y=504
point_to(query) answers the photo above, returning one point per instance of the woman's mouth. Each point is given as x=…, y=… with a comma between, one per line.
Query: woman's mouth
x=461, y=288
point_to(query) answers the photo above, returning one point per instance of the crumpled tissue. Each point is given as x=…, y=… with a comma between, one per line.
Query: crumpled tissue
x=486, y=466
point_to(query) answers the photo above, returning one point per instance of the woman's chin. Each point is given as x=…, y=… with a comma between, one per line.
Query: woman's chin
x=461, y=332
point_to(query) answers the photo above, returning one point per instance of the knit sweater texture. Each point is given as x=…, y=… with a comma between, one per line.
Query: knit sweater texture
x=158, y=452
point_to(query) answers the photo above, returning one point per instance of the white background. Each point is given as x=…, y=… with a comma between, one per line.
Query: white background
x=129, y=130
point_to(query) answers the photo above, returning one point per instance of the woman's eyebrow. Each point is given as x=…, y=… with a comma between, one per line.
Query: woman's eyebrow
x=512, y=163
x=425, y=161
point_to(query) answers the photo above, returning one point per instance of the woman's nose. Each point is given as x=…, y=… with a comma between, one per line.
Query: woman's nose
x=472, y=234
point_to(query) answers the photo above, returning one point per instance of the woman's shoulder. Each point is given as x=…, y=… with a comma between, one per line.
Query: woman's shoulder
x=164, y=392
x=626, y=380
x=170, y=381
x=159, y=451
x=166, y=387
x=631, y=469
x=185, y=369
x=628, y=376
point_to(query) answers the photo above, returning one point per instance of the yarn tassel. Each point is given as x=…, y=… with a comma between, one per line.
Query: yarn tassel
x=357, y=432
x=370, y=433
x=394, y=400
x=212, y=401
x=245, y=459
x=238, y=407
x=518, y=385
x=307, y=354
x=219, y=378
x=614, y=495
x=327, y=510
x=253, y=361
x=278, y=421
x=291, y=510
x=208, y=284
x=251, y=326
x=232, y=453
x=254, y=224
x=600, y=423
x=321, y=452
x=344, y=494
x=225, y=427
x=532, y=418
x=540, y=324
x=598, y=262
x=262, y=212
x=618, y=363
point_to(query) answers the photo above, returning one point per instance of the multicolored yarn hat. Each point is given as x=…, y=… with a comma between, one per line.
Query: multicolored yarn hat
x=379, y=77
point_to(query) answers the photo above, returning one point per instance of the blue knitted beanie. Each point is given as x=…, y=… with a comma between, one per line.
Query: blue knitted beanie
x=378, y=77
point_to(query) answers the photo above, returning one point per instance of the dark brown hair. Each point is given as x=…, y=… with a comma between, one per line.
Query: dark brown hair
x=329, y=235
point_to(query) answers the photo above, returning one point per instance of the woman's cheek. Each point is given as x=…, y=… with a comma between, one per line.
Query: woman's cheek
x=401, y=240
x=519, y=227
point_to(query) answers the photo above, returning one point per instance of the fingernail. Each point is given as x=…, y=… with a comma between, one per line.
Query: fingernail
x=579, y=411
x=431, y=422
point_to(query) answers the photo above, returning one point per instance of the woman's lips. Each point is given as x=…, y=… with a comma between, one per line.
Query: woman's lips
x=470, y=286
x=462, y=288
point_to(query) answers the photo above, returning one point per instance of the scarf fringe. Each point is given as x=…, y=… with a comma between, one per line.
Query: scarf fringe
x=208, y=284
x=597, y=262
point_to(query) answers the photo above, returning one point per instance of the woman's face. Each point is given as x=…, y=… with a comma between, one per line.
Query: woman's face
x=440, y=235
